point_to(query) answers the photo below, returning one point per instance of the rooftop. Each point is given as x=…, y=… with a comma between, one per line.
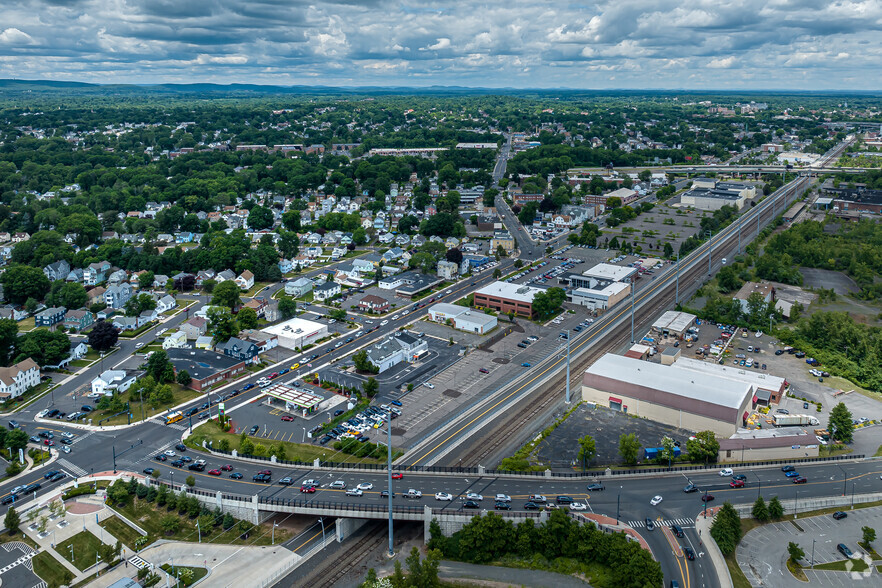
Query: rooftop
x=295, y=327
x=200, y=363
x=510, y=291
x=749, y=288
x=757, y=379
x=672, y=380
x=608, y=271
x=674, y=320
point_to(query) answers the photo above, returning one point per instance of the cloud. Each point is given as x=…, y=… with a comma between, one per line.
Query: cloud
x=798, y=44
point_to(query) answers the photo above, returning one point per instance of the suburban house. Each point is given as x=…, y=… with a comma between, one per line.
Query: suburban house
x=447, y=269
x=77, y=320
x=166, y=303
x=195, y=327
x=126, y=323
x=49, y=317
x=258, y=305
x=10, y=312
x=17, y=378
x=57, y=271
x=111, y=380
x=264, y=341
x=326, y=291
x=239, y=349
x=204, y=342
x=245, y=281
x=224, y=276
x=299, y=287
x=175, y=341
x=160, y=281
x=147, y=316
x=285, y=265
x=203, y=275
x=96, y=273
x=371, y=303
x=117, y=295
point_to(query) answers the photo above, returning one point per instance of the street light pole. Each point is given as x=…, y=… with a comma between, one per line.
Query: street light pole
x=322, y=523
x=632, y=310
x=568, y=366
x=813, y=553
x=389, y=475
x=677, y=298
x=618, y=504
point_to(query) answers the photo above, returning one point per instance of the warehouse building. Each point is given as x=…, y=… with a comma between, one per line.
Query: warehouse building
x=673, y=323
x=704, y=199
x=769, y=389
x=612, y=273
x=668, y=394
x=600, y=295
x=463, y=318
x=768, y=444
x=297, y=333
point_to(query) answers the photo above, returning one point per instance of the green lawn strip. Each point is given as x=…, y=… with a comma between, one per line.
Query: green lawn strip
x=79, y=363
x=27, y=324
x=85, y=549
x=180, y=395
x=7, y=538
x=845, y=565
x=293, y=451
x=51, y=571
x=796, y=570
x=874, y=555
x=739, y=580
x=149, y=517
x=198, y=573
x=119, y=529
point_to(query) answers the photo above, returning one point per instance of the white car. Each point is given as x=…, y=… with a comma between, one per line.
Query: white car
x=473, y=496
x=65, y=448
x=395, y=318
x=443, y=496
x=759, y=334
x=354, y=492
x=161, y=331
x=94, y=394
x=578, y=506
x=68, y=435
x=365, y=486
x=384, y=323
x=170, y=453
x=503, y=498
x=429, y=385
x=726, y=472
x=655, y=500
x=139, y=345
x=42, y=413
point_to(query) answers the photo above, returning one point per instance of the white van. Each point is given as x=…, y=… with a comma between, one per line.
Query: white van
x=724, y=261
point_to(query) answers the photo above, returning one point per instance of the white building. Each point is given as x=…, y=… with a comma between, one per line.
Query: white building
x=447, y=269
x=111, y=380
x=601, y=296
x=393, y=350
x=175, y=341
x=17, y=378
x=464, y=319
x=613, y=273
x=297, y=333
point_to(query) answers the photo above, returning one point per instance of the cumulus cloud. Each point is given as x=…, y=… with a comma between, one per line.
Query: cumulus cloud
x=811, y=44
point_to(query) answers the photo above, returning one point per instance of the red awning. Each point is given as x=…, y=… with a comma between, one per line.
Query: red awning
x=614, y=399
x=746, y=414
x=755, y=399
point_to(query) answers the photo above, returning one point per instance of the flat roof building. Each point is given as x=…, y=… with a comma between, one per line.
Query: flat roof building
x=506, y=297
x=464, y=319
x=206, y=368
x=668, y=394
x=769, y=389
x=601, y=295
x=673, y=322
x=613, y=273
x=297, y=332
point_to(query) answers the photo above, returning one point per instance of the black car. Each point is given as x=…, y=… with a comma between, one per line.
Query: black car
x=788, y=468
x=595, y=487
x=186, y=458
x=502, y=506
x=86, y=408
x=203, y=406
x=564, y=500
x=385, y=494
x=470, y=504
x=649, y=524
x=181, y=447
x=844, y=550
x=687, y=551
x=196, y=467
x=338, y=412
x=839, y=515
x=324, y=440
x=49, y=474
x=531, y=506
x=9, y=499
x=678, y=531
x=262, y=478
x=52, y=413
x=160, y=457
x=236, y=476
x=254, y=430
x=58, y=476
x=67, y=441
x=690, y=488
x=178, y=463
x=149, y=471
x=741, y=477
x=191, y=411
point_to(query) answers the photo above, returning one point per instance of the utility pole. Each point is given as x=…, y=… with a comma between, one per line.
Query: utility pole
x=389, y=476
x=677, y=299
x=632, y=311
x=710, y=252
x=568, y=365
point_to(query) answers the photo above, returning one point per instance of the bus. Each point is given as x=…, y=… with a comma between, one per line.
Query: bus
x=173, y=417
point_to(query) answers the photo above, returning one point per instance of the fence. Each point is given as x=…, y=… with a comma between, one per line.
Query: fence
x=795, y=505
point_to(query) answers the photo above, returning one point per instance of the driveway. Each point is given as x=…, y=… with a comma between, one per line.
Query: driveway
x=762, y=553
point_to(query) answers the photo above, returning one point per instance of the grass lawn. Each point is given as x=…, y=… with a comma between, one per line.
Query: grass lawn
x=257, y=287
x=51, y=570
x=121, y=531
x=6, y=538
x=198, y=573
x=210, y=431
x=85, y=549
x=149, y=517
x=81, y=363
x=179, y=394
x=845, y=565
x=796, y=570
x=27, y=324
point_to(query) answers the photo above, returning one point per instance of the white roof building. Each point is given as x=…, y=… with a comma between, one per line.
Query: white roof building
x=297, y=333
x=608, y=271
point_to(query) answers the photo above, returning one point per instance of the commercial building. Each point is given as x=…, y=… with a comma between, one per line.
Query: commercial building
x=395, y=349
x=297, y=333
x=612, y=273
x=17, y=378
x=600, y=294
x=704, y=199
x=668, y=394
x=768, y=389
x=463, y=318
x=506, y=297
x=673, y=323
x=764, y=289
x=768, y=444
x=113, y=380
x=371, y=303
x=206, y=368
x=502, y=239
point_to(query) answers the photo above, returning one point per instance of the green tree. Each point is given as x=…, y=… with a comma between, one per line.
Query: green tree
x=728, y=279
x=795, y=551
x=548, y=302
x=726, y=528
x=704, y=447
x=247, y=318
x=587, y=450
x=363, y=364
x=190, y=481
x=8, y=339
x=138, y=304
x=103, y=336
x=776, y=509
x=629, y=448
x=228, y=522
x=170, y=524
x=287, y=307
x=21, y=282
x=226, y=294
x=12, y=520
x=145, y=280
x=260, y=218
x=337, y=314
x=840, y=424
x=44, y=347
x=668, y=250
x=222, y=324
x=760, y=511
x=869, y=535
x=246, y=447
x=370, y=387
x=159, y=367
x=70, y=295
x=183, y=378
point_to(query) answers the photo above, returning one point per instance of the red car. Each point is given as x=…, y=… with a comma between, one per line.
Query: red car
x=484, y=371
x=227, y=468
x=799, y=480
x=287, y=418
x=736, y=484
x=214, y=472
x=308, y=489
x=707, y=497
x=397, y=476
x=272, y=375
x=265, y=472
x=48, y=442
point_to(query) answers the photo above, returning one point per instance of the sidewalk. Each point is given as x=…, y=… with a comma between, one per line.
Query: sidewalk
x=706, y=543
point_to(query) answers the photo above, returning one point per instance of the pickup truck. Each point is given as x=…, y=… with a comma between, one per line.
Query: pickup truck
x=413, y=494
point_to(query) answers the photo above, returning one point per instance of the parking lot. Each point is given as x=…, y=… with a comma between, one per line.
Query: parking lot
x=762, y=553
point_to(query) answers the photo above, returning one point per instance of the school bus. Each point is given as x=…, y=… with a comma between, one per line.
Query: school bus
x=173, y=417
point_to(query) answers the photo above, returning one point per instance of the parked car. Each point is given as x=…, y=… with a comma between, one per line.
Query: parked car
x=838, y=515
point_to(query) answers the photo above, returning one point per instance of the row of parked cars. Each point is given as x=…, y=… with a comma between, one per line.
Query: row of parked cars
x=371, y=417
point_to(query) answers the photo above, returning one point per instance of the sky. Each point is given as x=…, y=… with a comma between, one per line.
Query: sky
x=652, y=44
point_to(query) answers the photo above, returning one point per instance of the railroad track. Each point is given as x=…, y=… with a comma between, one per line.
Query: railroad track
x=332, y=570
x=488, y=440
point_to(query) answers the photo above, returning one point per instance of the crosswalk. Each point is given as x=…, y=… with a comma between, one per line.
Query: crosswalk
x=85, y=435
x=684, y=522
x=138, y=562
x=177, y=427
x=75, y=470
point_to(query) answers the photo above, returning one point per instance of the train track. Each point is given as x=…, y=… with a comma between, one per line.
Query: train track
x=487, y=441
x=332, y=570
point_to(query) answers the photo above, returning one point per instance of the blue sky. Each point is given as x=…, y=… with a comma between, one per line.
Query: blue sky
x=701, y=44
